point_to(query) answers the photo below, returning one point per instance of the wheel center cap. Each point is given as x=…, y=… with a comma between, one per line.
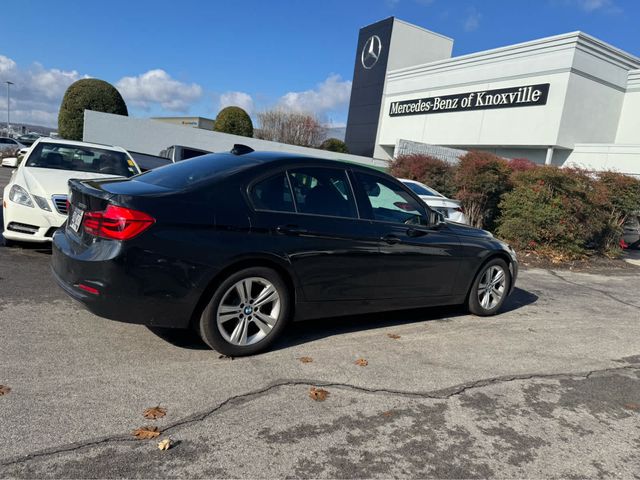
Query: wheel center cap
x=248, y=310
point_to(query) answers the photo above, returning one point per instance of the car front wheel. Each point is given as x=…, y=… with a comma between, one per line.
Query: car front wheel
x=490, y=288
x=247, y=312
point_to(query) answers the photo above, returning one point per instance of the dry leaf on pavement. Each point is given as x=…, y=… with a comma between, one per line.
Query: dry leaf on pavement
x=306, y=359
x=4, y=390
x=318, y=394
x=632, y=406
x=154, y=412
x=393, y=335
x=165, y=444
x=388, y=413
x=145, y=433
x=361, y=362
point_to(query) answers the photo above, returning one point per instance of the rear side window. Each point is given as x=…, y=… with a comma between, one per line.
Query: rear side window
x=273, y=194
x=323, y=191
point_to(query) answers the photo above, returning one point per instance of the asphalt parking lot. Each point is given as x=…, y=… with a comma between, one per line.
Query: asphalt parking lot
x=548, y=388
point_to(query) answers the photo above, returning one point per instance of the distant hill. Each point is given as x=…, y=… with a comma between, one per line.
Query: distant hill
x=20, y=128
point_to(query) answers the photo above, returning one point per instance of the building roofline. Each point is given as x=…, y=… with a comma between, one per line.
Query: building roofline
x=577, y=39
x=423, y=29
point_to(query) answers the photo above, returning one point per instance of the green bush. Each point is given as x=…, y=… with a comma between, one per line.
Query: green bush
x=482, y=178
x=334, y=145
x=567, y=211
x=87, y=94
x=431, y=171
x=234, y=120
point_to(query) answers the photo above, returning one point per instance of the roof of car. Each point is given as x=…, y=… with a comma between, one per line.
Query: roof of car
x=75, y=143
x=264, y=157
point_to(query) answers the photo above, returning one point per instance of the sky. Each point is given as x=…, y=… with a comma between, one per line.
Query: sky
x=188, y=57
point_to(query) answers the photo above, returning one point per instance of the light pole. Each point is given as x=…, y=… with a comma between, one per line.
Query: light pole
x=9, y=106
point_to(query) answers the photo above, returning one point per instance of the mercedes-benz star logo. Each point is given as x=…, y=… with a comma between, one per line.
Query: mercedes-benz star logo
x=371, y=52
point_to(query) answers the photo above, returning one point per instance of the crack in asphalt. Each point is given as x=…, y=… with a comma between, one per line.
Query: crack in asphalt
x=602, y=292
x=441, y=394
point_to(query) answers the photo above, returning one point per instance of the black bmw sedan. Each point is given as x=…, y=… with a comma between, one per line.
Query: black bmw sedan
x=237, y=245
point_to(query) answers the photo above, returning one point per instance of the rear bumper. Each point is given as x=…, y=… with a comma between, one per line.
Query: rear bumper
x=124, y=293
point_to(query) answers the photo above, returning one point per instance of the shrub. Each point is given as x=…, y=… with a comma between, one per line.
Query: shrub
x=87, y=94
x=482, y=178
x=552, y=209
x=431, y=171
x=521, y=164
x=234, y=120
x=334, y=145
x=617, y=196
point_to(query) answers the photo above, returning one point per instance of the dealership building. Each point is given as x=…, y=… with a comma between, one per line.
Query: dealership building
x=569, y=99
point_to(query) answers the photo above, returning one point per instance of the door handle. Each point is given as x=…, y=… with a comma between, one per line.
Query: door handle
x=391, y=239
x=291, y=230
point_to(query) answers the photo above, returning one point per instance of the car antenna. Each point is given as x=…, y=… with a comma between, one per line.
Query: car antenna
x=239, y=149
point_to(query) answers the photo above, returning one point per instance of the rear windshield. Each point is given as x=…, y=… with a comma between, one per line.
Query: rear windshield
x=81, y=159
x=419, y=189
x=188, y=173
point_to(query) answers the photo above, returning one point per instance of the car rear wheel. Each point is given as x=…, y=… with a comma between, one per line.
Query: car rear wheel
x=490, y=288
x=247, y=312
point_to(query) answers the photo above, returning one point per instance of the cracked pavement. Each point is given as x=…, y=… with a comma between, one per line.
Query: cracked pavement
x=548, y=388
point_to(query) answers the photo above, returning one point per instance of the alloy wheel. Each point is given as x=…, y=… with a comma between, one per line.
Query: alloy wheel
x=492, y=287
x=249, y=310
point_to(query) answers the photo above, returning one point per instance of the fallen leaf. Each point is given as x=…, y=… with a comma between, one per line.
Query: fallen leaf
x=4, y=390
x=318, y=394
x=154, y=413
x=361, y=362
x=306, y=359
x=388, y=413
x=393, y=335
x=165, y=444
x=145, y=433
x=224, y=357
x=632, y=406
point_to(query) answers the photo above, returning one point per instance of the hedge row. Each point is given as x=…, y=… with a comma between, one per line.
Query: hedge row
x=546, y=209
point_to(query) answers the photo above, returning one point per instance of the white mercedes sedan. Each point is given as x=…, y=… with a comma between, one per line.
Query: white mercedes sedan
x=451, y=209
x=35, y=200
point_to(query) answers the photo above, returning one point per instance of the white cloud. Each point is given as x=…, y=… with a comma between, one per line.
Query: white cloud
x=238, y=99
x=330, y=95
x=472, y=21
x=36, y=93
x=590, y=6
x=156, y=87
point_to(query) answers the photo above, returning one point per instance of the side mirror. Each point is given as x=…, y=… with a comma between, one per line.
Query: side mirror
x=436, y=219
x=10, y=162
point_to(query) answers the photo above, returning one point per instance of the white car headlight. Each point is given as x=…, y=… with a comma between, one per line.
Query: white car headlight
x=42, y=203
x=20, y=195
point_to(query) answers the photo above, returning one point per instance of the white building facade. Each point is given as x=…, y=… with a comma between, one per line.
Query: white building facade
x=570, y=99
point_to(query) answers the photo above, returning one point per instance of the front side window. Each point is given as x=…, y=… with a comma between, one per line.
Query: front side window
x=388, y=202
x=273, y=194
x=323, y=191
x=81, y=159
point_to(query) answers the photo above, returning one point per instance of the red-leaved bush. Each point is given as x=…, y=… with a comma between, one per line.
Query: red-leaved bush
x=431, y=171
x=482, y=178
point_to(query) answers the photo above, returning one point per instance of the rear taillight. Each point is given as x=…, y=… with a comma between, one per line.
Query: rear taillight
x=117, y=223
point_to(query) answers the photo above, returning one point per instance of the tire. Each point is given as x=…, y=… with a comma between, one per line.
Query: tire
x=8, y=243
x=243, y=330
x=483, y=302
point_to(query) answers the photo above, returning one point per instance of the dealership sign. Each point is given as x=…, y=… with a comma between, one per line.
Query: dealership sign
x=484, y=100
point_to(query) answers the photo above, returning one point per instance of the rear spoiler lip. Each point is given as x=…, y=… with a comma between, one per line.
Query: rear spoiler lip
x=91, y=187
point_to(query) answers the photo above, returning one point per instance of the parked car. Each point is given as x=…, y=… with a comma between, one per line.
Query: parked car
x=35, y=199
x=29, y=138
x=8, y=146
x=149, y=162
x=176, y=153
x=235, y=246
x=451, y=209
x=631, y=231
